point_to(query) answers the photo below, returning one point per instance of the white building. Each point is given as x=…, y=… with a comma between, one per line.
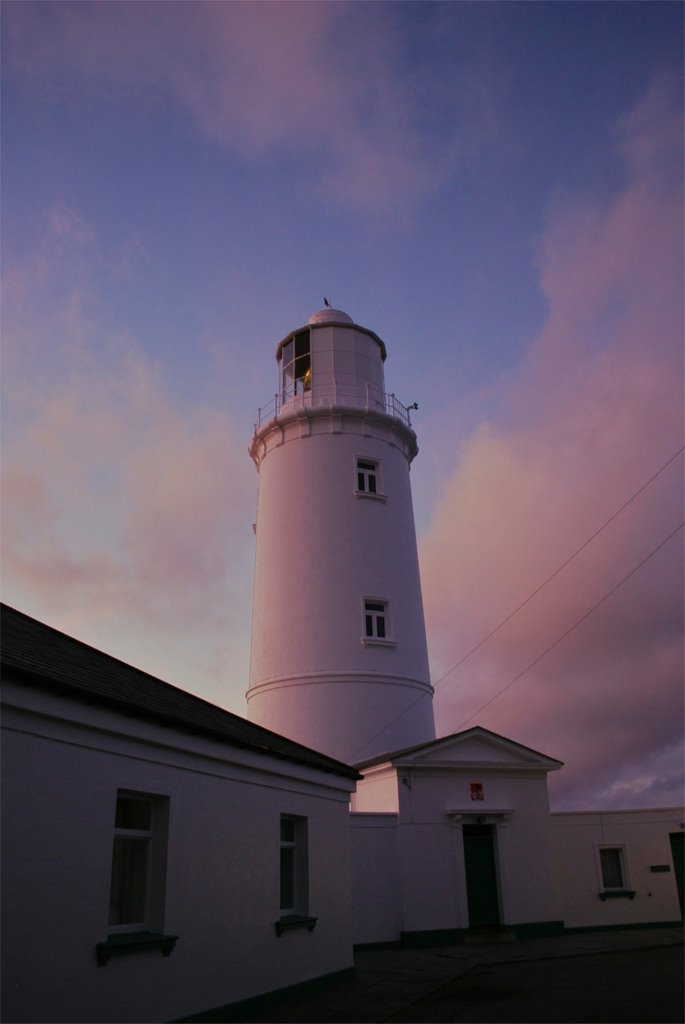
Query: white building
x=163, y=858
x=455, y=837
x=619, y=868
x=160, y=857
x=465, y=824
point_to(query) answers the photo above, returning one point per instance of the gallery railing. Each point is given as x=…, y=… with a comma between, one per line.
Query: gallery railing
x=357, y=396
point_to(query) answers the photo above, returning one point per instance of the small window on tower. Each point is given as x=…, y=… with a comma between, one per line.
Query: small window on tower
x=375, y=620
x=368, y=479
x=367, y=476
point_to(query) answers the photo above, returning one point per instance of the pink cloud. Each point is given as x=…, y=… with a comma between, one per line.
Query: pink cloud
x=126, y=513
x=595, y=410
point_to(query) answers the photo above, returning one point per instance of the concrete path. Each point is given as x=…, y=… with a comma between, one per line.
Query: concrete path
x=620, y=987
x=618, y=977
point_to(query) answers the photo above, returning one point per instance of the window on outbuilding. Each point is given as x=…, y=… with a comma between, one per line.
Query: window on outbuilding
x=294, y=883
x=611, y=862
x=137, y=883
x=613, y=873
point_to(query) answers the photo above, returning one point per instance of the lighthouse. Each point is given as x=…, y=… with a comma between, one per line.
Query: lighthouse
x=338, y=658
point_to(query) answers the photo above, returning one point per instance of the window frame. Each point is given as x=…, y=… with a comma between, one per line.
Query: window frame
x=609, y=891
x=607, y=868
x=153, y=882
x=367, y=470
x=377, y=638
x=298, y=881
x=295, y=379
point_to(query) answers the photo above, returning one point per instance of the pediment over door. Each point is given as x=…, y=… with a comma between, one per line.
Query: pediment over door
x=473, y=748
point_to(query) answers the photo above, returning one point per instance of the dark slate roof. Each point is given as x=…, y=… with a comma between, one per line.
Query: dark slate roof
x=40, y=655
x=393, y=755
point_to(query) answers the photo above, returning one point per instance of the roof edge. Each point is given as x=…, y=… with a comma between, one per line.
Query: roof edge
x=395, y=756
x=259, y=739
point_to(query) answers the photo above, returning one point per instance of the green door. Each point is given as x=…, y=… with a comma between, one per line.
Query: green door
x=678, y=852
x=481, y=876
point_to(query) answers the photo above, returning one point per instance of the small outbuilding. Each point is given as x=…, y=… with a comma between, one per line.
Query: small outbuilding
x=461, y=826
x=453, y=840
x=161, y=857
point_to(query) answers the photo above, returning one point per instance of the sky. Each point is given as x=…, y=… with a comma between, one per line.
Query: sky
x=493, y=188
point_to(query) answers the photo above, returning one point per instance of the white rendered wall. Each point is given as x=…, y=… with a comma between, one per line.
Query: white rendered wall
x=644, y=837
x=321, y=549
x=376, y=890
x=548, y=866
x=60, y=780
x=430, y=851
x=435, y=893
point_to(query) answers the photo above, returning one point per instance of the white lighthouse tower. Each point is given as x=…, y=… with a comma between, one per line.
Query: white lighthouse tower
x=339, y=659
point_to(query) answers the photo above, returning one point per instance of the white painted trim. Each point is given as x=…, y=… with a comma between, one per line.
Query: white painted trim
x=479, y=817
x=370, y=494
x=318, y=679
x=625, y=866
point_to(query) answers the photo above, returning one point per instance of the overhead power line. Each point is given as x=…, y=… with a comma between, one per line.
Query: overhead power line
x=562, y=566
x=574, y=626
x=539, y=658
x=535, y=593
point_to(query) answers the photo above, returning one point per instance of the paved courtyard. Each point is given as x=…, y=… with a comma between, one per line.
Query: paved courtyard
x=617, y=977
x=638, y=986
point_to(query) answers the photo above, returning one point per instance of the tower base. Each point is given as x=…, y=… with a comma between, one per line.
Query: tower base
x=349, y=717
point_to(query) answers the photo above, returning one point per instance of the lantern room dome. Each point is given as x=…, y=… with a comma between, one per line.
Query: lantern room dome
x=330, y=316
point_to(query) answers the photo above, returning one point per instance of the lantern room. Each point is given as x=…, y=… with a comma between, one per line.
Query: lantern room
x=331, y=361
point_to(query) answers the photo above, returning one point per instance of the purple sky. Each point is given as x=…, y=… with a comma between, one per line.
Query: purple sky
x=496, y=190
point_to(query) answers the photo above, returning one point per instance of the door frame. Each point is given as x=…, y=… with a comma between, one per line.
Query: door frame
x=483, y=888
x=676, y=842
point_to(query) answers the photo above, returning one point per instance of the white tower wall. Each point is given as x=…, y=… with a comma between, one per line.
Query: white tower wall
x=324, y=547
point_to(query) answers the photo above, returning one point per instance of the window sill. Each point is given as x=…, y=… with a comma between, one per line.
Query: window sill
x=372, y=641
x=134, y=942
x=291, y=921
x=370, y=494
x=617, y=894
